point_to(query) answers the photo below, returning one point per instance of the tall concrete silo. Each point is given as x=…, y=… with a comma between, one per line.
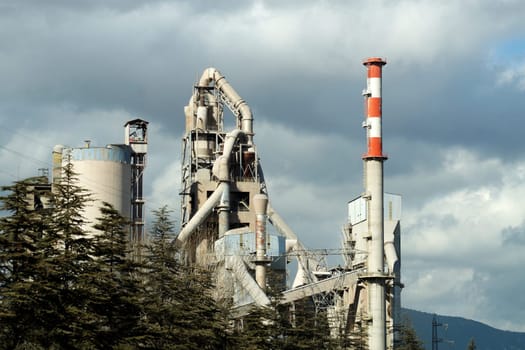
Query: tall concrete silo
x=112, y=174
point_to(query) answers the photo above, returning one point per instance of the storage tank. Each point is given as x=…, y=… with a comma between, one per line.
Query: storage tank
x=106, y=173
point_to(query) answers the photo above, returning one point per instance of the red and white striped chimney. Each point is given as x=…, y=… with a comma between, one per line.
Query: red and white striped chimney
x=373, y=107
x=373, y=162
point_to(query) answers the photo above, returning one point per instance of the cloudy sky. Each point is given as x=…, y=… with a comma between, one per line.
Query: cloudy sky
x=453, y=94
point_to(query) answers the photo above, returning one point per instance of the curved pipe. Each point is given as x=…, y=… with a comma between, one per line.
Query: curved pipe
x=305, y=264
x=281, y=226
x=191, y=109
x=222, y=164
x=201, y=214
x=240, y=106
x=221, y=171
x=391, y=256
x=390, y=246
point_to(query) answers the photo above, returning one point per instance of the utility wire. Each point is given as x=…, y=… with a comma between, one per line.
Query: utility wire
x=25, y=156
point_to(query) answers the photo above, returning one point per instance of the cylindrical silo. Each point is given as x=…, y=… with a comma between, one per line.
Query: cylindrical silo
x=106, y=173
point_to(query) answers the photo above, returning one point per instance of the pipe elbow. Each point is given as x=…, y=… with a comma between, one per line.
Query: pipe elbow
x=391, y=255
x=290, y=245
x=207, y=76
x=246, y=111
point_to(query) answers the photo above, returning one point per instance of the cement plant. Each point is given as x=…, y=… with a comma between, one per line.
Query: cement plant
x=230, y=226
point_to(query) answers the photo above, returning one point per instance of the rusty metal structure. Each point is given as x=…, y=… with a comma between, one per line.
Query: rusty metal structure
x=229, y=225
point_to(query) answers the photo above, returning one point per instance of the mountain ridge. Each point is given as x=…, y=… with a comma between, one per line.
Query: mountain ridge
x=459, y=331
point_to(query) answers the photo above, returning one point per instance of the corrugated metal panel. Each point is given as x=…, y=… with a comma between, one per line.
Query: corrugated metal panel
x=244, y=244
x=392, y=206
x=114, y=153
x=357, y=211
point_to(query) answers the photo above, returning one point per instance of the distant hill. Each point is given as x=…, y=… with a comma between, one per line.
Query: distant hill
x=461, y=330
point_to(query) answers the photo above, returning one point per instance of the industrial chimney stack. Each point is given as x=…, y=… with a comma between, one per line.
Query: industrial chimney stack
x=373, y=163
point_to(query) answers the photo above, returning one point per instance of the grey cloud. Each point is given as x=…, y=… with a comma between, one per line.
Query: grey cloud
x=97, y=63
x=298, y=65
x=514, y=235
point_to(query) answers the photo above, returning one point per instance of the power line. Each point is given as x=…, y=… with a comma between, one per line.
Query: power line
x=20, y=154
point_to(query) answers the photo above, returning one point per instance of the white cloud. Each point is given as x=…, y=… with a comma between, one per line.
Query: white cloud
x=513, y=76
x=74, y=73
x=453, y=243
x=27, y=148
x=448, y=290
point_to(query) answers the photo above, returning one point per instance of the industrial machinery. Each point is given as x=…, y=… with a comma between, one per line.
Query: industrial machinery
x=225, y=209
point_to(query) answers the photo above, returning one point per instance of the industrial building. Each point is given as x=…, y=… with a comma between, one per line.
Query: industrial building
x=112, y=174
x=228, y=223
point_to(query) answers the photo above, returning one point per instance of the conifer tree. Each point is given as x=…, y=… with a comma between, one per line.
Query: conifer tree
x=20, y=231
x=44, y=303
x=472, y=345
x=116, y=299
x=67, y=250
x=260, y=329
x=180, y=312
x=409, y=338
x=162, y=293
x=305, y=327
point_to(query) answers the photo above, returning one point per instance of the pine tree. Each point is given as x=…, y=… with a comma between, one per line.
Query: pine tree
x=180, y=312
x=116, y=297
x=409, y=338
x=68, y=250
x=472, y=345
x=304, y=327
x=259, y=329
x=162, y=299
x=44, y=303
x=20, y=267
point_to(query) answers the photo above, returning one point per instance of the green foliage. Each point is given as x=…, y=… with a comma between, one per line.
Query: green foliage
x=116, y=297
x=304, y=327
x=44, y=254
x=471, y=344
x=179, y=310
x=62, y=287
x=409, y=339
x=19, y=264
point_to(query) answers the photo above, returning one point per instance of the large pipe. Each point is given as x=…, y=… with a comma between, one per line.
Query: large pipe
x=201, y=214
x=236, y=264
x=223, y=210
x=394, y=267
x=221, y=196
x=239, y=105
x=373, y=160
x=260, y=205
x=390, y=245
x=221, y=169
x=305, y=264
x=196, y=111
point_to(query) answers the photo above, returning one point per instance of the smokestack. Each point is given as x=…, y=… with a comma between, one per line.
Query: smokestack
x=373, y=160
x=373, y=105
x=260, y=205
